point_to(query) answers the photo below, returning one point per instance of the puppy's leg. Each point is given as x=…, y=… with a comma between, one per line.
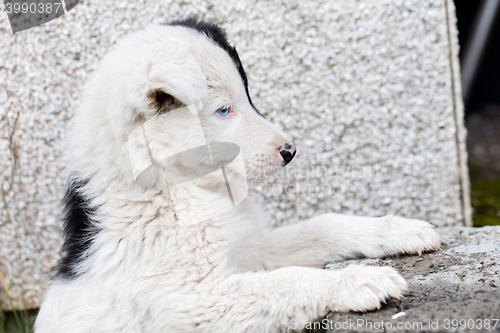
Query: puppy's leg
x=287, y=298
x=334, y=237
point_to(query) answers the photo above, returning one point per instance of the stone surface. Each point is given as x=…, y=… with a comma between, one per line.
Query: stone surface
x=368, y=90
x=460, y=281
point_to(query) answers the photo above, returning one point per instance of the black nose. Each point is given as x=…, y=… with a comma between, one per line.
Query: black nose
x=288, y=153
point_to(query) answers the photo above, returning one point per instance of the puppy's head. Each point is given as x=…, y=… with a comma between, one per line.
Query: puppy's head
x=190, y=62
x=228, y=114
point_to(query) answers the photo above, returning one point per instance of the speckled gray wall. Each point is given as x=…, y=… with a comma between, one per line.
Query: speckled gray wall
x=368, y=90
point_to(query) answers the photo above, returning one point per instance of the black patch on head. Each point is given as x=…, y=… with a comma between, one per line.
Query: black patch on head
x=219, y=37
x=79, y=230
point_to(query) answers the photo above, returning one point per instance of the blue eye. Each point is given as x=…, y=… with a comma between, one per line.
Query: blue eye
x=223, y=111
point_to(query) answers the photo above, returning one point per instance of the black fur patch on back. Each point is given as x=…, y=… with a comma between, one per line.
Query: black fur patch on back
x=219, y=37
x=79, y=231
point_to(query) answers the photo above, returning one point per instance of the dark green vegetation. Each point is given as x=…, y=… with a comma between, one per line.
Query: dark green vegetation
x=485, y=198
x=20, y=321
x=483, y=147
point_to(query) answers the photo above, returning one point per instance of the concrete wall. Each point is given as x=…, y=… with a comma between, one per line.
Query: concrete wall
x=368, y=90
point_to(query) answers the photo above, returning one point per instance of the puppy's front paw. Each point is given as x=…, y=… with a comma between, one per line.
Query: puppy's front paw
x=412, y=236
x=365, y=288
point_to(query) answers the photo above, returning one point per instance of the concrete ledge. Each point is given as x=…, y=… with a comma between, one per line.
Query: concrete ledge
x=460, y=281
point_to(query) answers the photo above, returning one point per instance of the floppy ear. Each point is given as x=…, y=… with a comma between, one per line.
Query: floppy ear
x=177, y=83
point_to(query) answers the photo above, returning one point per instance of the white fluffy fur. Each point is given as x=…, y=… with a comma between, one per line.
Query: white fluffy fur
x=148, y=272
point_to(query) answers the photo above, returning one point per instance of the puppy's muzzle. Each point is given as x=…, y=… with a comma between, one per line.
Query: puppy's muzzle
x=288, y=153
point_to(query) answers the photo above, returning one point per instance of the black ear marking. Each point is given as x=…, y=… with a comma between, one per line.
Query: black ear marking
x=164, y=102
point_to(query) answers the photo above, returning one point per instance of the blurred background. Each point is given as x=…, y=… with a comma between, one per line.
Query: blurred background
x=478, y=24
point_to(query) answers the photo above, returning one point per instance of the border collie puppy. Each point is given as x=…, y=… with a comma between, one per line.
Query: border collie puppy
x=175, y=258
